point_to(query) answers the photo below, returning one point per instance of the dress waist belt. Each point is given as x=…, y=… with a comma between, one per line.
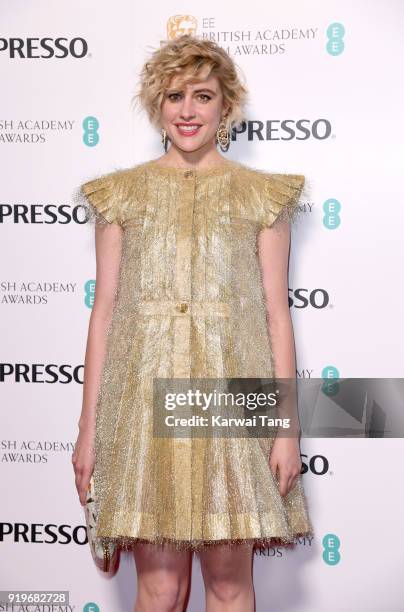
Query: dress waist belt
x=183, y=308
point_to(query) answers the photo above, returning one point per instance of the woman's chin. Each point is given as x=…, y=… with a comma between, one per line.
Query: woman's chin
x=188, y=146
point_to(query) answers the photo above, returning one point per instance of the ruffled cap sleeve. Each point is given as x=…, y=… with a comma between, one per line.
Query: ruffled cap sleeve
x=100, y=198
x=281, y=198
x=267, y=198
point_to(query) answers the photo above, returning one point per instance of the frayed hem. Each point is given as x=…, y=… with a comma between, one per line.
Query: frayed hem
x=196, y=546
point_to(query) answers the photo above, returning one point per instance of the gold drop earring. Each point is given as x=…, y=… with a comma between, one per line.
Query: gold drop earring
x=223, y=136
x=164, y=138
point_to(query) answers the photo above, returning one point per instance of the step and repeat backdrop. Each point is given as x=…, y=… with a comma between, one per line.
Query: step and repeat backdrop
x=326, y=101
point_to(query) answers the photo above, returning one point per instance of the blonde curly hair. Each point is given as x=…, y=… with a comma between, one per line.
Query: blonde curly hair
x=192, y=59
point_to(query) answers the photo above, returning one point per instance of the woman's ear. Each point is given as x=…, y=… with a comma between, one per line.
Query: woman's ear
x=225, y=110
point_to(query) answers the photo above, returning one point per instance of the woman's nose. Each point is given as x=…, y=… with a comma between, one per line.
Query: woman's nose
x=187, y=109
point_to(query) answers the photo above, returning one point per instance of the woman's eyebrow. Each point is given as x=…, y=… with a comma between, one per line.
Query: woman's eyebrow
x=195, y=90
x=204, y=89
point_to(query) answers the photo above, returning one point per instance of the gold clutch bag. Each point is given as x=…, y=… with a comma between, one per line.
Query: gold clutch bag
x=105, y=554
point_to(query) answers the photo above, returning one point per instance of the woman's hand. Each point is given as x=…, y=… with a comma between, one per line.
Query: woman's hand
x=83, y=460
x=285, y=459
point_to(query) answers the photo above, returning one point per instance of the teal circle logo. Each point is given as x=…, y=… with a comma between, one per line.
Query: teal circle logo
x=90, y=131
x=329, y=372
x=331, y=544
x=330, y=376
x=89, y=293
x=331, y=209
x=335, y=43
x=91, y=607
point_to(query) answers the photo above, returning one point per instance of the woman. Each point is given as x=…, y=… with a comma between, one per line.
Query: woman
x=188, y=267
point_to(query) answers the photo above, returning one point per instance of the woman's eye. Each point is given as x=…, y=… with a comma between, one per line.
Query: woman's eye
x=175, y=96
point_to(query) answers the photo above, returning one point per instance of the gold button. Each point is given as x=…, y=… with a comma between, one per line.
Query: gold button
x=188, y=173
x=183, y=307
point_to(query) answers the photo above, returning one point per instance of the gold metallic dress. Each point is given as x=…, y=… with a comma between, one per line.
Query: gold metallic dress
x=189, y=304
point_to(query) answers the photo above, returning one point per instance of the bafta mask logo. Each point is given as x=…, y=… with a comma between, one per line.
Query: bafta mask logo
x=177, y=25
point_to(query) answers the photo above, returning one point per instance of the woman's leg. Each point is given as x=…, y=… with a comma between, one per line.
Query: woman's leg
x=227, y=574
x=163, y=577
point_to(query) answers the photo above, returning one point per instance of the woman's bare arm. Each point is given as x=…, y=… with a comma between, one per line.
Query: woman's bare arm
x=273, y=252
x=108, y=244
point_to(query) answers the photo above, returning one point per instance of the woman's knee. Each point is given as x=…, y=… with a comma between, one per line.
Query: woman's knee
x=163, y=592
x=162, y=576
x=227, y=572
x=224, y=589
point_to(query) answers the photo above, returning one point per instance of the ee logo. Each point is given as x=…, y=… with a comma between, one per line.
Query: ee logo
x=330, y=376
x=331, y=545
x=335, y=34
x=89, y=292
x=331, y=208
x=90, y=131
